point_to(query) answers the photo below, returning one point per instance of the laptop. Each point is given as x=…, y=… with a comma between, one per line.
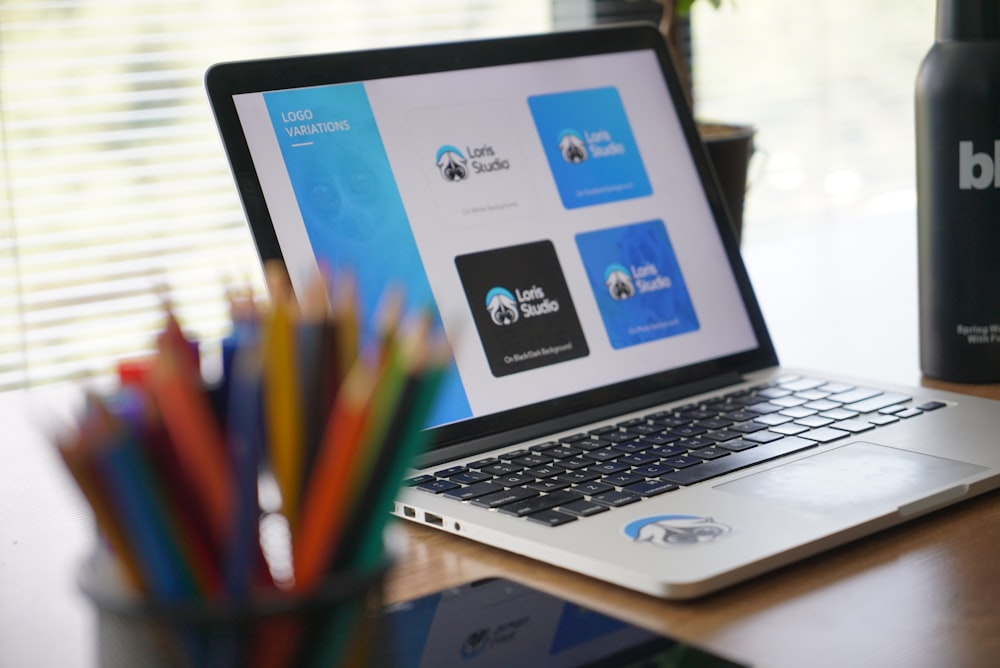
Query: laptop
x=615, y=406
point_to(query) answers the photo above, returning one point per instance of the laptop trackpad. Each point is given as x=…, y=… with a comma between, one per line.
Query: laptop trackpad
x=857, y=476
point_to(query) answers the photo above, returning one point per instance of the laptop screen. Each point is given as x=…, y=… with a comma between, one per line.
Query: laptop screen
x=549, y=209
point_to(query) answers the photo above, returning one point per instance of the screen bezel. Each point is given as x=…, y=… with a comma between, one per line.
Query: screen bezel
x=225, y=80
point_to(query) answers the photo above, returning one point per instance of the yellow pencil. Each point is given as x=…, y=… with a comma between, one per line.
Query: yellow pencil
x=283, y=408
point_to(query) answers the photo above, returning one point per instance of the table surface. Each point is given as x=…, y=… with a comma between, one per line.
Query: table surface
x=922, y=594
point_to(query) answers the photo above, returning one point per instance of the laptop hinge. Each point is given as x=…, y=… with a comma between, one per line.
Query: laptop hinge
x=570, y=421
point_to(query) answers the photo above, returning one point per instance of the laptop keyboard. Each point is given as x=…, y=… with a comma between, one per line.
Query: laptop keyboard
x=618, y=464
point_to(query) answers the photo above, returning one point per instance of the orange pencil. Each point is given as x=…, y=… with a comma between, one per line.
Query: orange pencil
x=323, y=510
x=197, y=439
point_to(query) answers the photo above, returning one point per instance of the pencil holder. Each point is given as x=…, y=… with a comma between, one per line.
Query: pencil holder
x=336, y=624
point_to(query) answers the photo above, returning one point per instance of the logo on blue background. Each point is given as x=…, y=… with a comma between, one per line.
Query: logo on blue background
x=637, y=283
x=589, y=145
x=619, y=282
x=502, y=306
x=572, y=146
x=452, y=164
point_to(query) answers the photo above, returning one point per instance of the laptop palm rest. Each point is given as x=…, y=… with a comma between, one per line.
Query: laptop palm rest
x=856, y=477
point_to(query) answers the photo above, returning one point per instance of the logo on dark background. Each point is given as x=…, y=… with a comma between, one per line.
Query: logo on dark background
x=502, y=306
x=530, y=321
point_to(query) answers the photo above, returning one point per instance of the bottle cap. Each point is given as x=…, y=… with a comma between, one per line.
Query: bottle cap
x=968, y=20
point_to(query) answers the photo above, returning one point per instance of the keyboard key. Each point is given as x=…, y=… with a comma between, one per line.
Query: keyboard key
x=748, y=427
x=634, y=445
x=469, y=477
x=617, y=436
x=788, y=402
x=661, y=439
x=498, y=499
x=715, y=423
x=723, y=435
x=813, y=395
x=800, y=384
x=608, y=468
x=602, y=455
x=696, y=442
x=649, y=488
x=688, y=430
x=824, y=434
x=739, y=460
x=774, y=392
x=774, y=419
x=852, y=396
x=835, y=388
x=480, y=463
x=532, y=460
x=814, y=421
x=583, y=508
x=668, y=451
x=908, y=413
x=639, y=459
x=575, y=477
x=540, y=447
x=931, y=405
x=877, y=403
x=839, y=414
x=472, y=491
x=592, y=488
x=822, y=405
x=653, y=470
x=547, y=485
x=573, y=463
x=591, y=444
x=502, y=469
x=621, y=479
x=544, y=471
x=562, y=452
x=413, y=482
x=552, y=518
x=766, y=407
x=762, y=437
x=448, y=472
x=854, y=426
x=709, y=453
x=438, y=485
x=789, y=429
x=616, y=499
x=882, y=420
x=798, y=412
x=682, y=462
x=538, y=503
x=739, y=445
x=514, y=479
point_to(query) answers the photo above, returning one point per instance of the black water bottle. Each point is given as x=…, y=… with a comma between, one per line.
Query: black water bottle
x=958, y=194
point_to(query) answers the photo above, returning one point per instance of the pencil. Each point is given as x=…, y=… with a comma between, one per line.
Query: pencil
x=404, y=439
x=283, y=408
x=323, y=513
x=197, y=439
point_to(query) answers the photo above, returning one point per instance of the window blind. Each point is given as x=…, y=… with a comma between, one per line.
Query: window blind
x=114, y=187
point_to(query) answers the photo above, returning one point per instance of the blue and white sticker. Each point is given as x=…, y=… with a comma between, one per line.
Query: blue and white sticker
x=676, y=530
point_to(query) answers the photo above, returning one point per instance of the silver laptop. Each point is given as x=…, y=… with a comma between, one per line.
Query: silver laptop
x=615, y=406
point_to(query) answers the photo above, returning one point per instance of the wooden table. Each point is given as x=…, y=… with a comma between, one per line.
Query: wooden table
x=924, y=594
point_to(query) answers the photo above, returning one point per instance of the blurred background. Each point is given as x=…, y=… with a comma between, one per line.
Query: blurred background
x=113, y=183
